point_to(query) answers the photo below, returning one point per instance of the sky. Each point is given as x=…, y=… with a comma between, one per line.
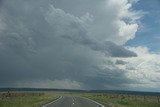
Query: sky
x=80, y=44
x=149, y=33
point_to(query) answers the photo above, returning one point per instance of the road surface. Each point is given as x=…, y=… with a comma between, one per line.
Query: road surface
x=69, y=101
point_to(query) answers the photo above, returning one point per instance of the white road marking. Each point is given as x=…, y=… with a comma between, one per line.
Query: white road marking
x=52, y=102
x=72, y=104
x=94, y=101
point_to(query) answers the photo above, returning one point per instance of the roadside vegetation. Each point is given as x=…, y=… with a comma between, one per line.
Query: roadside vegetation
x=37, y=99
x=124, y=100
x=25, y=99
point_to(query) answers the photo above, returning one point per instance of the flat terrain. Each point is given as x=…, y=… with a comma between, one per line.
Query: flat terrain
x=125, y=100
x=76, y=99
x=25, y=99
x=71, y=101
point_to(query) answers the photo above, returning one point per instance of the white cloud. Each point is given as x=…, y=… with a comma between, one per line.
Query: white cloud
x=144, y=69
x=118, y=22
x=127, y=31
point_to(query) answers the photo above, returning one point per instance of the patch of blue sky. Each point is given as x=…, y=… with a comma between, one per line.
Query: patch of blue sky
x=149, y=31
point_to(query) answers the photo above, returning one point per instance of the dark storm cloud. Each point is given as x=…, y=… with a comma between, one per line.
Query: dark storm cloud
x=111, y=49
x=107, y=78
x=108, y=47
x=39, y=42
x=120, y=62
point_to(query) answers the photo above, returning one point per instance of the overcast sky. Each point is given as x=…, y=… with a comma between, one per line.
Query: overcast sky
x=80, y=44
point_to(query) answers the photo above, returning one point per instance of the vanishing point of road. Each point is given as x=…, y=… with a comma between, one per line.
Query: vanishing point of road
x=70, y=101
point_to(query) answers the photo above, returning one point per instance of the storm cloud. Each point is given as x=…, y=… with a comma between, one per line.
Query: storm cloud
x=64, y=46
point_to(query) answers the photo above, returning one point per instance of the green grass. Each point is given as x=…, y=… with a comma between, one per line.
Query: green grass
x=114, y=100
x=128, y=101
x=26, y=101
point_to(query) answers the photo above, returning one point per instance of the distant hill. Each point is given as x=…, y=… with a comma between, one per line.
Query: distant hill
x=82, y=91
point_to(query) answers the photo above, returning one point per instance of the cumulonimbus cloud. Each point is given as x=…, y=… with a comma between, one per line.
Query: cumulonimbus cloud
x=39, y=41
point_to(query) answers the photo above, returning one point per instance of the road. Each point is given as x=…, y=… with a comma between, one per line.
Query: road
x=70, y=101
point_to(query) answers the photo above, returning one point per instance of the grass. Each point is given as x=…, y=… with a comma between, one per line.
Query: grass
x=27, y=100
x=115, y=100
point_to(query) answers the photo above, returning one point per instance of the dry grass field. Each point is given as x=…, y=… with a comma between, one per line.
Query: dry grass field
x=124, y=100
x=25, y=99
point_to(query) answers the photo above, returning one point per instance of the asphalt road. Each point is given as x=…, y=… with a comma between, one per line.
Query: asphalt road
x=69, y=101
